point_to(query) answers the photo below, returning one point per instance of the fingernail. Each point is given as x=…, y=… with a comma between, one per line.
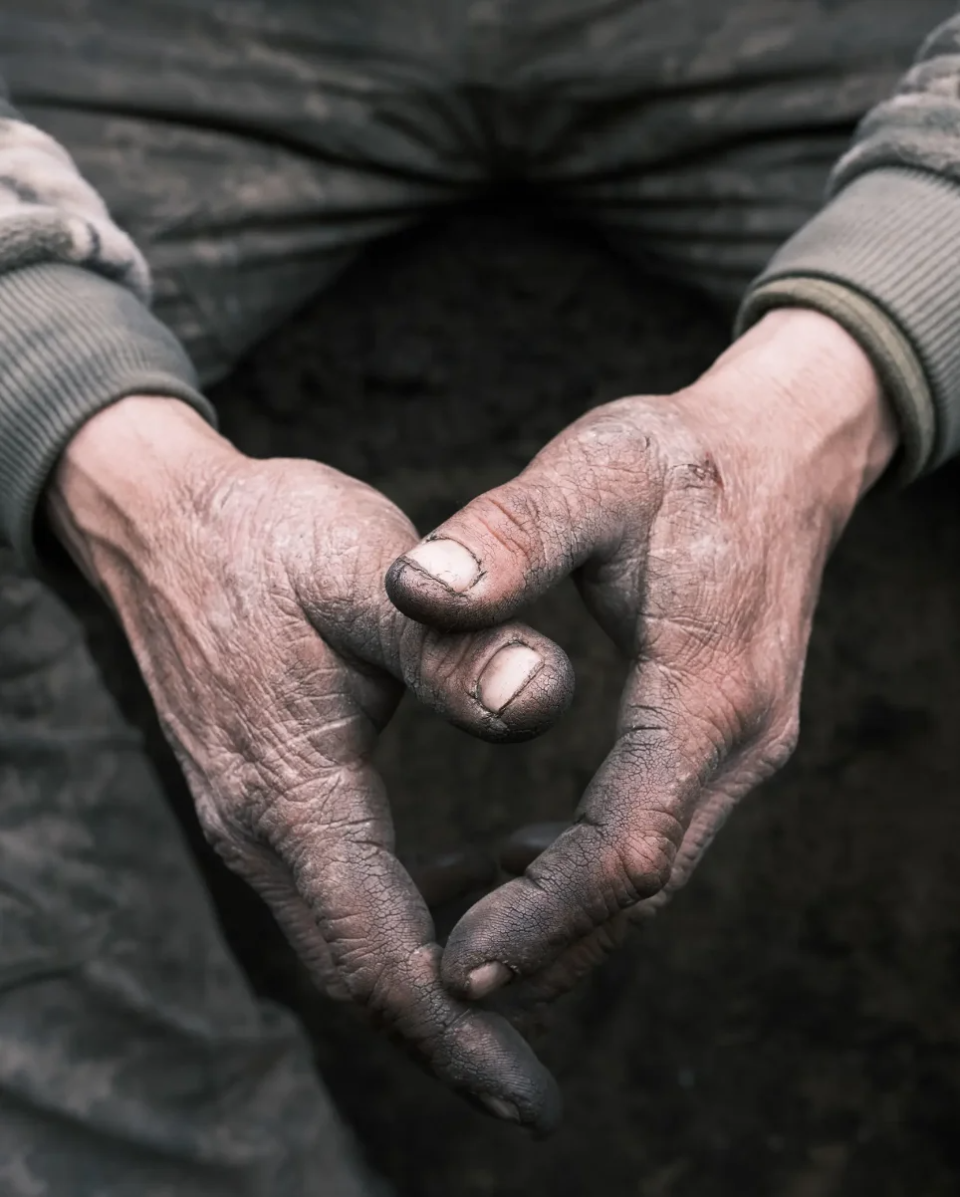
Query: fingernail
x=500, y=1107
x=487, y=978
x=506, y=674
x=448, y=562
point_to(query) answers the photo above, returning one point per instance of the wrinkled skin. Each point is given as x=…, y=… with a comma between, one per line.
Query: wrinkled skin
x=696, y=527
x=252, y=595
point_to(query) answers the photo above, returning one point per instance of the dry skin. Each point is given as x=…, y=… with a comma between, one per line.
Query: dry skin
x=789, y=1027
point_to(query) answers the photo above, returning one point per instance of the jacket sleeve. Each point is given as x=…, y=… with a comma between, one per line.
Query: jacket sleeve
x=76, y=333
x=883, y=256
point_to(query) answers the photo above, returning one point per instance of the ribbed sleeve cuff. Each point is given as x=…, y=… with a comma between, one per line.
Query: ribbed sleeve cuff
x=71, y=343
x=893, y=358
x=882, y=259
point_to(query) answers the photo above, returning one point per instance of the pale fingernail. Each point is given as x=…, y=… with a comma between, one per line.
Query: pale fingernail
x=487, y=978
x=506, y=674
x=448, y=562
x=501, y=1107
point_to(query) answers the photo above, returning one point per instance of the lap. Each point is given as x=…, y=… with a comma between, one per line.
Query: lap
x=133, y=1055
x=251, y=160
x=250, y=148
x=700, y=134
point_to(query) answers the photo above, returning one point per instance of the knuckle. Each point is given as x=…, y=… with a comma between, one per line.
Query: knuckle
x=511, y=508
x=780, y=742
x=754, y=702
x=691, y=465
x=223, y=842
x=643, y=911
x=619, y=441
x=228, y=837
x=686, y=457
x=766, y=695
x=368, y=981
x=510, y=516
x=644, y=864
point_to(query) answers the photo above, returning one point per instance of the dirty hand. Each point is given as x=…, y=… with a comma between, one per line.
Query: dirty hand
x=252, y=595
x=696, y=527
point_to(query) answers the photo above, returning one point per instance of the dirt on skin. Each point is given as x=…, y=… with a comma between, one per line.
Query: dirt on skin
x=790, y=1026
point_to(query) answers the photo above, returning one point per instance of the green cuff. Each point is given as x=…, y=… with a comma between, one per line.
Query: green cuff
x=71, y=343
x=885, y=247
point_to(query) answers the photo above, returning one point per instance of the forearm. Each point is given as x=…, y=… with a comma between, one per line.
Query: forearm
x=797, y=399
x=130, y=474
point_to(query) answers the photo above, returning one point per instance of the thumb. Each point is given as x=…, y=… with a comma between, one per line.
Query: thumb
x=507, y=547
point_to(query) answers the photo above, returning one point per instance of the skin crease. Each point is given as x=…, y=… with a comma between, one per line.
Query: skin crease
x=252, y=593
x=697, y=528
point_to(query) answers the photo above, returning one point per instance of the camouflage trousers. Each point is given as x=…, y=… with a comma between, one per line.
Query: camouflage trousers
x=253, y=147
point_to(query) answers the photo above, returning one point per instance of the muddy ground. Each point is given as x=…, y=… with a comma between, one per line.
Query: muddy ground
x=791, y=1026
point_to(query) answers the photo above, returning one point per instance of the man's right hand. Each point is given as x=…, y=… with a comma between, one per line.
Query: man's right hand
x=252, y=594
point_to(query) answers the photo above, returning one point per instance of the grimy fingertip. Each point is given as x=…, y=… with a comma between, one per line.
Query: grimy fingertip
x=438, y=599
x=446, y=562
x=530, y=1096
x=525, y=707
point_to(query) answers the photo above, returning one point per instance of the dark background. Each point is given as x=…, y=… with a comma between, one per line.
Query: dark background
x=790, y=1027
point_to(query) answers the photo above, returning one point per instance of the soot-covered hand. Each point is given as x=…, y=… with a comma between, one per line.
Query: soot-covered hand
x=252, y=594
x=696, y=527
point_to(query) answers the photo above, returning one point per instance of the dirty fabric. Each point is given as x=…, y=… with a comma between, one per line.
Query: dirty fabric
x=895, y=186
x=134, y=1058
x=250, y=149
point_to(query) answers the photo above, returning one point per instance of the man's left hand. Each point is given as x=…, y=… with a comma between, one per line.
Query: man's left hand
x=697, y=527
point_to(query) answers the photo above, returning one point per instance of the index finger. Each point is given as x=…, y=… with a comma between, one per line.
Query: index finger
x=619, y=850
x=335, y=836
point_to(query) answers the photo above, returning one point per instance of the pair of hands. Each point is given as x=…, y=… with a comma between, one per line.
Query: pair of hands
x=277, y=610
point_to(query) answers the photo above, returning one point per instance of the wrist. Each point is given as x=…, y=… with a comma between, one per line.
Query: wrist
x=130, y=474
x=801, y=390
